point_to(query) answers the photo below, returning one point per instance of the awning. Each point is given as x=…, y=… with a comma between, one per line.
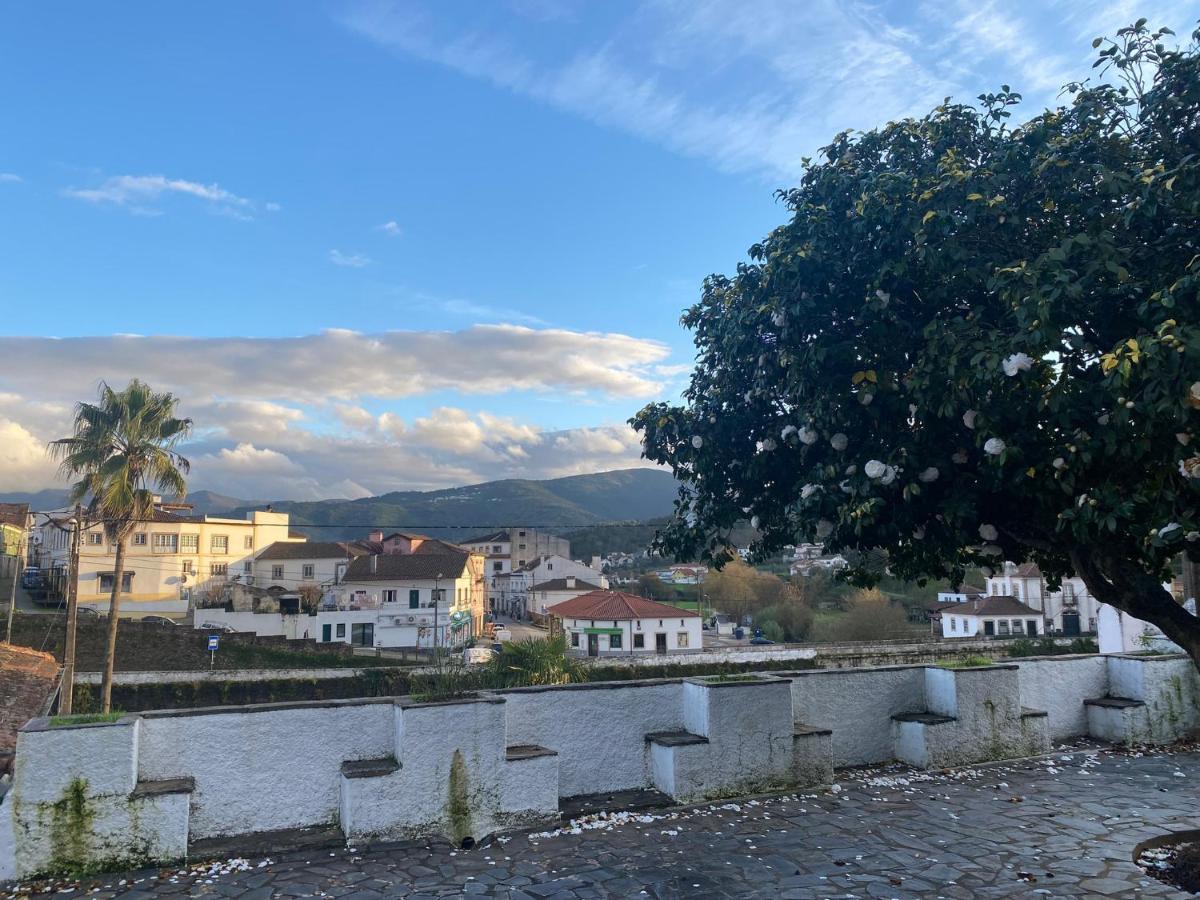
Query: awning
x=603, y=631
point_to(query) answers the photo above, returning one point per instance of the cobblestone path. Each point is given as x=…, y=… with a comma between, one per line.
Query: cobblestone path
x=1058, y=826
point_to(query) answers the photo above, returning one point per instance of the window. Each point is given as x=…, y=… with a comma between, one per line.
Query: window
x=639, y=642
x=220, y=570
x=276, y=572
x=521, y=534
x=495, y=548
x=168, y=543
x=549, y=567
x=139, y=539
x=308, y=570
x=681, y=639
x=248, y=542
x=219, y=543
x=574, y=638
x=189, y=542
x=614, y=642
x=389, y=596
x=414, y=599
x=95, y=539
x=247, y=567
x=106, y=582
x=953, y=624
x=1002, y=626
x=1018, y=627
x=520, y=546
x=188, y=567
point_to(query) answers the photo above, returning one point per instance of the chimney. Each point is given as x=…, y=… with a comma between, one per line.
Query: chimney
x=570, y=582
x=374, y=563
x=376, y=536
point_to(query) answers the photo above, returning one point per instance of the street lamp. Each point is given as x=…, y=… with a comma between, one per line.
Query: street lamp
x=437, y=600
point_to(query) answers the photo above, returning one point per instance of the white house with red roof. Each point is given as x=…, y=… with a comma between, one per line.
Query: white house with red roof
x=989, y=617
x=608, y=623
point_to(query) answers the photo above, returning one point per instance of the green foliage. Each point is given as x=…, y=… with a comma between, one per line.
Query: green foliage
x=772, y=630
x=967, y=662
x=970, y=343
x=869, y=616
x=87, y=718
x=534, y=661
x=1046, y=646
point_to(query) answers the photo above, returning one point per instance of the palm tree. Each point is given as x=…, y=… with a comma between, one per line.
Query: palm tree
x=122, y=444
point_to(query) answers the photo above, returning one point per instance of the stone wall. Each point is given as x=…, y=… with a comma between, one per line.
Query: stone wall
x=148, y=786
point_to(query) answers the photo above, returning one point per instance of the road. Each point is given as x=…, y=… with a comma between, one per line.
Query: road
x=520, y=630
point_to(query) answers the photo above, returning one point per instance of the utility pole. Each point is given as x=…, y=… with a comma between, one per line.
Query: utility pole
x=66, y=697
x=12, y=597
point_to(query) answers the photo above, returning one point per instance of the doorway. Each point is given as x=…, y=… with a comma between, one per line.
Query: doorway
x=1031, y=627
x=989, y=628
x=362, y=634
x=593, y=644
x=1070, y=624
x=660, y=643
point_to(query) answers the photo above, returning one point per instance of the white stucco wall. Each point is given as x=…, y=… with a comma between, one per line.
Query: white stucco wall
x=1059, y=685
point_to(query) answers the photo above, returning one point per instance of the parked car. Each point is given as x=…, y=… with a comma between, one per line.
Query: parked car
x=31, y=577
x=213, y=626
x=86, y=612
x=476, y=656
x=761, y=640
x=503, y=634
x=159, y=620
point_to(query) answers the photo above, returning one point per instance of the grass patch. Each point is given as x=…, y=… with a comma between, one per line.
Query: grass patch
x=725, y=679
x=1046, y=646
x=967, y=662
x=87, y=718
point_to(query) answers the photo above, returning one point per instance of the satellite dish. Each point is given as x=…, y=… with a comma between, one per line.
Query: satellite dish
x=183, y=579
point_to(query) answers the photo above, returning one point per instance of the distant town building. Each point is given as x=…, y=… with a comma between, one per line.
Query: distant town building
x=15, y=522
x=1070, y=610
x=990, y=617
x=605, y=623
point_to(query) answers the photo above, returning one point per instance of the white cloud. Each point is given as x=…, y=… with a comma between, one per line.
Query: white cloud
x=341, y=364
x=9, y=177
x=390, y=228
x=23, y=459
x=350, y=260
x=137, y=193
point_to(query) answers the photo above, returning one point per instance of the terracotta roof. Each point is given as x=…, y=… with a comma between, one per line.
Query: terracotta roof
x=310, y=550
x=560, y=584
x=422, y=566
x=995, y=606
x=26, y=680
x=14, y=514
x=436, y=545
x=407, y=535
x=616, y=605
x=1028, y=570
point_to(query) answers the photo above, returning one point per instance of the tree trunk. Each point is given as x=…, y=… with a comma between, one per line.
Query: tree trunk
x=1117, y=583
x=114, y=607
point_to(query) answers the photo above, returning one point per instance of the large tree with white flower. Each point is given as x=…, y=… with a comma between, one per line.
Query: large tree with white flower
x=971, y=342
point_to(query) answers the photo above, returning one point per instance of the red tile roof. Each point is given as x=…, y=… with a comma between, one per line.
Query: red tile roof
x=616, y=605
x=26, y=680
x=994, y=606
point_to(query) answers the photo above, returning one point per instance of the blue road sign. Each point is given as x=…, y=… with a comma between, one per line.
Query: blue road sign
x=213, y=641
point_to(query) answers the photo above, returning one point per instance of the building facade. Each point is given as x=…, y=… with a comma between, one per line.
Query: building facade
x=607, y=623
x=293, y=565
x=990, y=617
x=171, y=560
x=1069, y=610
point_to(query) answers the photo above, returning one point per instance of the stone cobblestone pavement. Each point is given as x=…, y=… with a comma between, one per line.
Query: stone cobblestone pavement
x=1057, y=826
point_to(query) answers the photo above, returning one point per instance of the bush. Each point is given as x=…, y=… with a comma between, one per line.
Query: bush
x=772, y=630
x=1045, y=646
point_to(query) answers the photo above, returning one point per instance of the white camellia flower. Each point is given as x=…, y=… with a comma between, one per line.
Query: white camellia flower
x=874, y=468
x=754, y=522
x=960, y=457
x=988, y=532
x=1059, y=463
x=808, y=435
x=1102, y=420
x=1192, y=536
x=865, y=398
x=845, y=486
x=1083, y=498
x=969, y=417
x=991, y=550
x=768, y=444
x=930, y=475
x=824, y=528
x=1168, y=529
x=1017, y=363
x=808, y=490
x=1195, y=390
x=777, y=319
x=994, y=446
x=697, y=441
x=889, y=476
x=851, y=470
x=839, y=441
x=912, y=409
x=883, y=295
x=788, y=431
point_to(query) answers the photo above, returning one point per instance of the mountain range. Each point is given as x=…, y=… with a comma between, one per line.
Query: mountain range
x=561, y=504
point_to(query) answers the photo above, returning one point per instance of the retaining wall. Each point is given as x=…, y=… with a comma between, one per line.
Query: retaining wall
x=147, y=787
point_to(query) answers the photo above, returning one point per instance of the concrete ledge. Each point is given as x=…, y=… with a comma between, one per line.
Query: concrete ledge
x=925, y=718
x=369, y=768
x=1114, y=702
x=261, y=843
x=1028, y=713
x=806, y=730
x=185, y=785
x=675, y=738
x=527, y=751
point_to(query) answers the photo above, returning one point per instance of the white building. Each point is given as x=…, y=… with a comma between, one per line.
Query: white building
x=990, y=617
x=1119, y=632
x=170, y=559
x=514, y=592
x=292, y=565
x=1070, y=610
x=606, y=623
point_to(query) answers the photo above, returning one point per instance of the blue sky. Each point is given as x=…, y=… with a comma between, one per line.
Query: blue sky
x=547, y=180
